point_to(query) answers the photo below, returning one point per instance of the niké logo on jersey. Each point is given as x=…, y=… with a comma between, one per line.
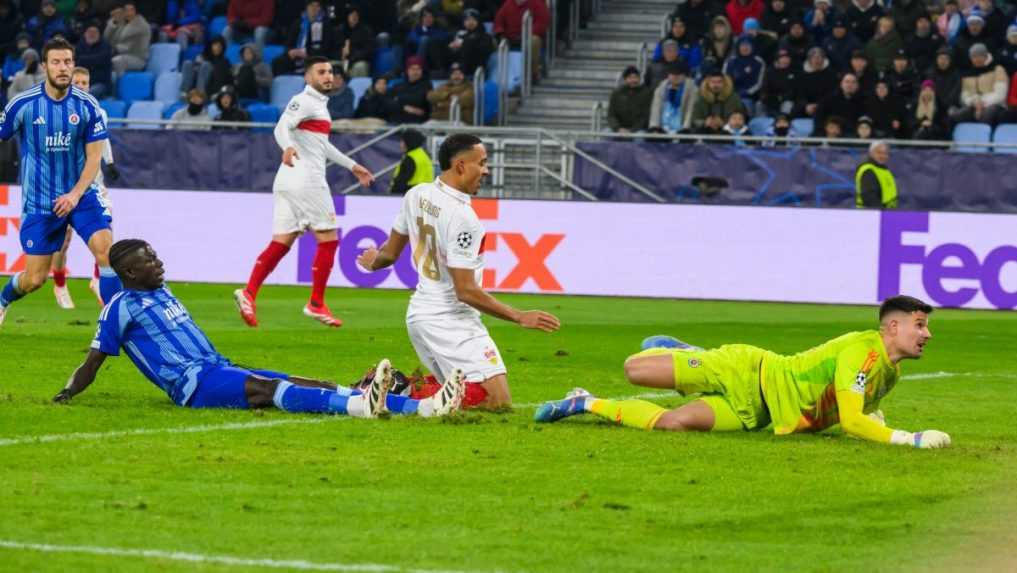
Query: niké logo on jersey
x=174, y=311
x=59, y=141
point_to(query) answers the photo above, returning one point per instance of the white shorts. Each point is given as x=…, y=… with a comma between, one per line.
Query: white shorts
x=298, y=211
x=445, y=344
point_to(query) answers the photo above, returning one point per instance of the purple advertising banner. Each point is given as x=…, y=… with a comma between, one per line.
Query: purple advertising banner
x=673, y=251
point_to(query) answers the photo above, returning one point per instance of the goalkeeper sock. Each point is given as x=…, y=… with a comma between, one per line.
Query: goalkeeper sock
x=264, y=266
x=109, y=283
x=60, y=277
x=324, y=258
x=11, y=292
x=300, y=399
x=632, y=413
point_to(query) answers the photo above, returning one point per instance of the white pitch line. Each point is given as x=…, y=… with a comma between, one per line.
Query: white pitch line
x=298, y=564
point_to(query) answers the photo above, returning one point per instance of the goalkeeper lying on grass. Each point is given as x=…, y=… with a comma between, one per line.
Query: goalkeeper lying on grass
x=747, y=388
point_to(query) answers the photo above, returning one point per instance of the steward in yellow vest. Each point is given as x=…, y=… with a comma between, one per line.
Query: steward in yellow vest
x=416, y=166
x=875, y=186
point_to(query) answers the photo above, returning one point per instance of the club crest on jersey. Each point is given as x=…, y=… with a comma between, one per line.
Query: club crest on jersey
x=860, y=381
x=695, y=363
x=74, y=119
x=464, y=240
x=491, y=356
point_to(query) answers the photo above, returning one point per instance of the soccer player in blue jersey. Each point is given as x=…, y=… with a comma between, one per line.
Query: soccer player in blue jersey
x=159, y=336
x=61, y=134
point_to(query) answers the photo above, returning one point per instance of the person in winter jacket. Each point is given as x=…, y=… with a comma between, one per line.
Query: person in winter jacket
x=229, y=108
x=888, y=112
x=883, y=46
x=252, y=77
x=377, y=103
x=673, y=100
x=779, y=81
x=411, y=95
x=716, y=97
x=816, y=81
x=983, y=91
x=862, y=16
x=629, y=108
x=746, y=71
x=738, y=10
x=840, y=45
x=922, y=47
x=718, y=43
x=249, y=18
x=687, y=48
x=457, y=86
x=947, y=79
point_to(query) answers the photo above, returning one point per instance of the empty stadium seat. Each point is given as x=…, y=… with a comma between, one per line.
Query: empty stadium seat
x=1005, y=133
x=217, y=25
x=233, y=53
x=212, y=110
x=384, y=61
x=760, y=125
x=971, y=133
x=802, y=126
x=271, y=52
x=115, y=109
x=145, y=110
x=134, y=86
x=359, y=87
x=263, y=113
x=163, y=57
x=285, y=87
x=490, y=102
x=167, y=87
x=515, y=75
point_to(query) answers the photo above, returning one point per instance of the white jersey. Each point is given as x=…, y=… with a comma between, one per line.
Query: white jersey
x=107, y=157
x=304, y=126
x=444, y=233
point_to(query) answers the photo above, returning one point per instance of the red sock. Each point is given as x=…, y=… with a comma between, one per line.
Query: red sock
x=324, y=258
x=264, y=266
x=95, y=270
x=60, y=277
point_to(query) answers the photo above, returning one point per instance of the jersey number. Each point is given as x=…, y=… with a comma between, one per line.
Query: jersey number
x=426, y=249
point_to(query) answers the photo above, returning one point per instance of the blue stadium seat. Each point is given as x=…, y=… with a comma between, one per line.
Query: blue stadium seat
x=515, y=75
x=802, y=126
x=115, y=109
x=271, y=52
x=971, y=133
x=1005, y=133
x=760, y=125
x=233, y=53
x=192, y=52
x=491, y=69
x=489, y=28
x=163, y=57
x=490, y=102
x=167, y=87
x=212, y=110
x=145, y=110
x=263, y=113
x=134, y=86
x=384, y=61
x=435, y=84
x=359, y=87
x=217, y=25
x=285, y=87
x=172, y=108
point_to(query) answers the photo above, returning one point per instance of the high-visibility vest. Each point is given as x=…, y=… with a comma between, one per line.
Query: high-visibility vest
x=887, y=184
x=423, y=169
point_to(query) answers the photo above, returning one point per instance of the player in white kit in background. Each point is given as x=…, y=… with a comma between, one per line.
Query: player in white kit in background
x=81, y=79
x=302, y=198
x=445, y=233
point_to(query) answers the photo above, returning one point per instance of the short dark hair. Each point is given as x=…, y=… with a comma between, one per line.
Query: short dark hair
x=313, y=60
x=56, y=44
x=123, y=249
x=903, y=303
x=453, y=146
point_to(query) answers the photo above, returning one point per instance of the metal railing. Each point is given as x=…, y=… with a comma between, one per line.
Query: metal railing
x=643, y=59
x=455, y=111
x=503, y=79
x=596, y=120
x=574, y=15
x=551, y=49
x=527, y=53
x=479, y=79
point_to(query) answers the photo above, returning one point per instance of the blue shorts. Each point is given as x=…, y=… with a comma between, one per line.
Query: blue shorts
x=224, y=387
x=44, y=234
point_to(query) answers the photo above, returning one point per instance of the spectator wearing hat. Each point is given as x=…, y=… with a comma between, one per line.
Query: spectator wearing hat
x=416, y=166
x=377, y=103
x=859, y=66
x=356, y=44
x=862, y=16
x=840, y=44
x=974, y=33
x=746, y=70
x=903, y=79
x=194, y=115
x=819, y=20
x=905, y=14
x=130, y=36
x=30, y=74
x=456, y=87
x=777, y=93
x=718, y=43
x=863, y=129
x=846, y=103
x=472, y=45
x=1007, y=55
x=995, y=22
x=738, y=10
x=629, y=108
x=229, y=108
x=95, y=55
x=716, y=97
x=888, y=112
x=251, y=76
x=426, y=40
x=950, y=22
x=508, y=24
x=929, y=119
x=44, y=25
x=882, y=48
x=411, y=95
x=875, y=186
x=764, y=42
x=923, y=45
x=340, y=100
x=697, y=15
x=247, y=19
x=815, y=82
x=673, y=100
x=946, y=78
x=797, y=42
x=310, y=35
x=777, y=18
x=983, y=90
x=682, y=45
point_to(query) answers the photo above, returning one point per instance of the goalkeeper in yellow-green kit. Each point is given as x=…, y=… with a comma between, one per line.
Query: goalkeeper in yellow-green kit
x=743, y=387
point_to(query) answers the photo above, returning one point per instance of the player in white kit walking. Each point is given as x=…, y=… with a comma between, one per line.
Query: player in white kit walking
x=302, y=198
x=446, y=236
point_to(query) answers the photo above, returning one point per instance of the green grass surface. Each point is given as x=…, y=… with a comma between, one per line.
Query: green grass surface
x=486, y=492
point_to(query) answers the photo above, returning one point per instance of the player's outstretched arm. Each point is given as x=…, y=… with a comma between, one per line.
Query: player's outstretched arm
x=469, y=292
x=82, y=377
x=339, y=158
x=856, y=423
x=376, y=259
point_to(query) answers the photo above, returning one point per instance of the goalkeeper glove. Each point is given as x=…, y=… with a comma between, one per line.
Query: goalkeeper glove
x=924, y=440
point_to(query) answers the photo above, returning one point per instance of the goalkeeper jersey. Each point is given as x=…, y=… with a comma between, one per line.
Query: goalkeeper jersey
x=801, y=390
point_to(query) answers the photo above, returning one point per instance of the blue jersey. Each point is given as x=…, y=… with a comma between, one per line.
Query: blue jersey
x=161, y=339
x=53, y=135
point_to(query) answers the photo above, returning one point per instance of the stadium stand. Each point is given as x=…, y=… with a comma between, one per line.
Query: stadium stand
x=145, y=110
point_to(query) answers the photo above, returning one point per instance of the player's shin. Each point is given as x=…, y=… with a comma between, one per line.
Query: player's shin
x=298, y=399
x=11, y=292
x=324, y=259
x=109, y=283
x=632, y=413
x=264, y=265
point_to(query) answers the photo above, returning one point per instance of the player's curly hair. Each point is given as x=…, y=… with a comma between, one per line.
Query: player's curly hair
x=123, y=248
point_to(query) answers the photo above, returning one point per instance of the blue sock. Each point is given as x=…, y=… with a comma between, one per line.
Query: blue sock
x=109, y=283
x=11, y=292
x=292, y=398
x=401, y=405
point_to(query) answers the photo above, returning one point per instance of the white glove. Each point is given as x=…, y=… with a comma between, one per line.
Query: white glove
x=931, y=439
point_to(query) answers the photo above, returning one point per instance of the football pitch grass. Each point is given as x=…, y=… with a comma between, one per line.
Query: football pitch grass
x=122, y=480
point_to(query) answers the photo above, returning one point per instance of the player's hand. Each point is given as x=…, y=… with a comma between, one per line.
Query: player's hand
x=112, y=173
x=932, y=439
x=539, y=320
x=366, y=258
x=289, y=155
x=66, y=203
x=363, y=175
x=62, y=397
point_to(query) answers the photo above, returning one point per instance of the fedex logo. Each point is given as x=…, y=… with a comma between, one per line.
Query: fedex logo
x=530, y=253
x=945, y=261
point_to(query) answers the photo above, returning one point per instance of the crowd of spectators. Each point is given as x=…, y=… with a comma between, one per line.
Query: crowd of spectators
x=860, y=69
x=428, y=40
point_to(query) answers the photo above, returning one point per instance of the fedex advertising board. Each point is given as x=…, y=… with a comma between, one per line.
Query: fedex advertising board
x=679, y=251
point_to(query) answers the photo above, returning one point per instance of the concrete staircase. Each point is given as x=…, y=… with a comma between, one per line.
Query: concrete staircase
x=587, y=71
